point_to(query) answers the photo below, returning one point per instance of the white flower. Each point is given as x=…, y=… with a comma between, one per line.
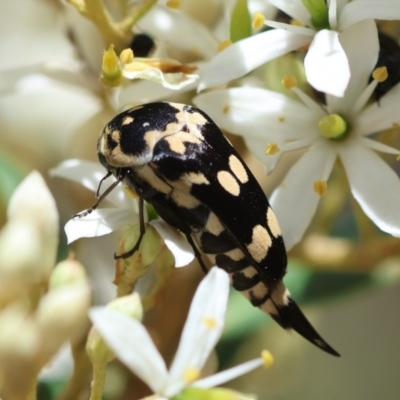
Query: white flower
x=269, y=120
x=133, y=345
x=107, y=219
x=326, y=61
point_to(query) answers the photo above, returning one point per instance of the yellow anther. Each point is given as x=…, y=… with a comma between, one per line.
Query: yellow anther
x=191, y=374
x=126, y=56
x=296, y=22
x=398, y=158
x=380, y=74
x=271, y=149
x=210, y=323
x=131, y=193
x=281, y=119
x=224, y=44
x=289, y=81
x=320, y=187
x=332, y=126
x=225, y=109
x=258, y=20
x=268, y=358
x=175, y=4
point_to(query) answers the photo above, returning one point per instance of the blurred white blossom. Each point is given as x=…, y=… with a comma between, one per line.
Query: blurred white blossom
x=318, y=25
x=133, y=345
x=272, y=123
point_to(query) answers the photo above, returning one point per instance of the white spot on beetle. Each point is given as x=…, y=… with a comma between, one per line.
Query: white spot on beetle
x=272, y=223
x=195, y=178
x=260, y=243
x=213, y=225
x=228, y=182
x=184, y=199
x=127, y=120
x=238, y=169
x=235, y=254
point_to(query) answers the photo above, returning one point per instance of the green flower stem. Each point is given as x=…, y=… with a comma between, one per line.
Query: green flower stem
x=129, y=22
x=81, y=373
x=32, y=392
x=117, y=33
x=319, y=13
x=99, y=377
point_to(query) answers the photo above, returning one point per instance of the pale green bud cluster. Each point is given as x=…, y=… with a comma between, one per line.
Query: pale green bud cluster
x=41, y=308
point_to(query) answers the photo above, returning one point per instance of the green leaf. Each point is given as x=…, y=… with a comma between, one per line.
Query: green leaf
x=240, y=22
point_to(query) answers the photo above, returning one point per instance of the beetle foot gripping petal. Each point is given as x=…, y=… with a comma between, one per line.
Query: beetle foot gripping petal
x=291, y=317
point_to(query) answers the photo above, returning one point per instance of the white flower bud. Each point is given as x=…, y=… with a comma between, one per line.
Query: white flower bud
x=62, y=316
x=33, y=202
x=67, y=272
x=97, y=350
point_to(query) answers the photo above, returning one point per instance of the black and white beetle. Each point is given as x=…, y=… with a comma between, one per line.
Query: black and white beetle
x=177, y=159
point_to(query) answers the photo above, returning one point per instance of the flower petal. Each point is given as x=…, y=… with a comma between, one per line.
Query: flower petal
x=56, y=110
x=40, y=35
x=176, y=243
x=380, y=116
x=132, y=344
x=179, y=30
x=228, y=374
x=98, y=223
x=326, y=65
x=378, y=146
x=248, y=54
x=202, y=329
x=262, y=117
x=358, y=10
x=89, y=174
x=295, y=201
x=374, y=185
x=361, y=45
x=174, y=81
x=257, y=113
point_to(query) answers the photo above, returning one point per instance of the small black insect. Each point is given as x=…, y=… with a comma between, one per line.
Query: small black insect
x=177, y=159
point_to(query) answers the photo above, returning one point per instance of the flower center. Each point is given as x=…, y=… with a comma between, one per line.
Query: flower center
x=332, y=127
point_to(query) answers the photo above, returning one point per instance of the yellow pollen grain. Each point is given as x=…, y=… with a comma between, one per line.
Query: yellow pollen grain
x=226, y=109
x=320, y=187
x=126, y=56
x=296, y=22
x=209, y=322
x=131, y=193
x=258, y=20
x=380, y=74
x=224, y=44
x=289, y=81
x=174, y=4
x=268, y=358
x=271, y=149
x=191, y=374
x=281, y=119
